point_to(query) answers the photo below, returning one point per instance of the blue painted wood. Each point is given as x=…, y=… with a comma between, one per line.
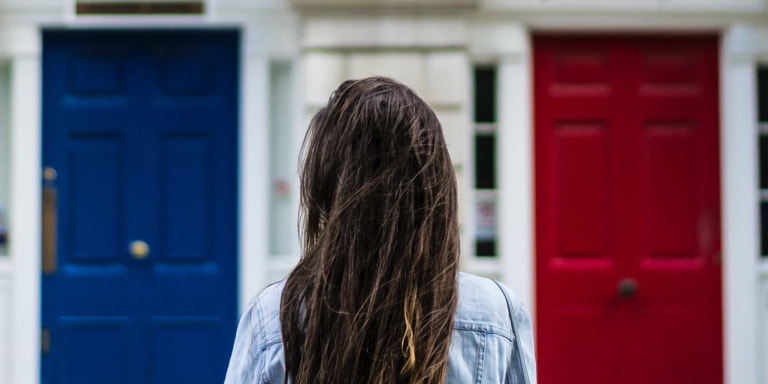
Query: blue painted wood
x=142, y=129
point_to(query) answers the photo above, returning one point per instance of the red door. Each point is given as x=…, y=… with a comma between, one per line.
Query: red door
x=628, y=283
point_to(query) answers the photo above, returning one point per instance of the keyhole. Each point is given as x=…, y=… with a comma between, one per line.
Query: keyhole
x=627, y=288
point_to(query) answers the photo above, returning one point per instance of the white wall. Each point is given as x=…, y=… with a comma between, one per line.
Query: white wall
x=427, y=53
x=661, y=6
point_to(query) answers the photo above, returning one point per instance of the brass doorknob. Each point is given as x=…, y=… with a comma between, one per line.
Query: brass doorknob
x=50, y=174
x=139, y=249
x=627, y=288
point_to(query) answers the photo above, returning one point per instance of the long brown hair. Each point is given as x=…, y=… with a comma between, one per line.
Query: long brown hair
x=373, y=297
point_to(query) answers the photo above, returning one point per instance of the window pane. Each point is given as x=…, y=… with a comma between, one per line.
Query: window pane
x=283, y=207
x=762, y=93
x=485, y=223
x=763, y=162
x=764, y=229
x=5, y=158
x=485, y=159
x=485, y=94
x=485, y=248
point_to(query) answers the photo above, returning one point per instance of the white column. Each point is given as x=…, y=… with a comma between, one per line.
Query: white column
x=740, y=217
x=25, y=218
x=515, y=159
x=254, y=176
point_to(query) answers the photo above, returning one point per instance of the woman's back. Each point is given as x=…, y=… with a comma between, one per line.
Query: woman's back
x=482, y=347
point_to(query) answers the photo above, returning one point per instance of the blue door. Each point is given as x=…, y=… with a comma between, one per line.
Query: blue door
x=140, y=205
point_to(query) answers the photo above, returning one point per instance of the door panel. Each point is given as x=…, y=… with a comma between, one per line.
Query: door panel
x=669, y=174
x=90, y=342
x=185, y=183
x=580, y=178
x=92, y=163
x=177, y=340
x=141, y=128
x=627, y=210
x=583, y=350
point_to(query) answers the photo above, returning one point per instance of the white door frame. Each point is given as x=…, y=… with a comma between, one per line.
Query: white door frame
x=25, y=211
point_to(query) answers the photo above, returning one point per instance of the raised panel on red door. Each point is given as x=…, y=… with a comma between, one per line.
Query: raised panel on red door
x=626, y=191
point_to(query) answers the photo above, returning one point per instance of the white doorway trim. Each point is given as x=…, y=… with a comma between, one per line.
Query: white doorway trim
x=516, y=182
x=25, y=217
x=740, y=234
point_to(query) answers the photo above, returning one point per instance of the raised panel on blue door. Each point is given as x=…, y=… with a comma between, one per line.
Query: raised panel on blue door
x=187, y=72
x=94, y=172
x=97, y=72
x=186, y=184
x=93, y=349
x=179, y=341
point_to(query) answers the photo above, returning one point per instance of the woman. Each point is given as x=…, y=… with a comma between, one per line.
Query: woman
x=377, y=297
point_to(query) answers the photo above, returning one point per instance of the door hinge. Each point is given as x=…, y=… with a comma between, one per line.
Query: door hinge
x=45, y=341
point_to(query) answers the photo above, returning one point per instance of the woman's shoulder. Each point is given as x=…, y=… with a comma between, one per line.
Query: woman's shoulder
x=483, y=307
x=257, y=352
x=482, y=302
x=269, y=297
x=264, y=308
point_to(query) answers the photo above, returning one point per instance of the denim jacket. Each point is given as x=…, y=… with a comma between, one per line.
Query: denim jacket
x=483, y=348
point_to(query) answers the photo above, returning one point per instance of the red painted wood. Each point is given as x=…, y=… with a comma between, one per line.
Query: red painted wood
x=627, y=186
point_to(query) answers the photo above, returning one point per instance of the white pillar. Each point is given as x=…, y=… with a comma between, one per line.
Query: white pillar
x=25, y=218
x=515, y=159
x=740, y=215
x=254, y=176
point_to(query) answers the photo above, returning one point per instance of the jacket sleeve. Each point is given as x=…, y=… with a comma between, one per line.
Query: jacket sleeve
x=525, y=337
x=245, y=364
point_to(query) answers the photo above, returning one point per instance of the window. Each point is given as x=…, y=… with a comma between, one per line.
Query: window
x=5, y=158
x=762, y=97
x=485, y=161
x=283, y=158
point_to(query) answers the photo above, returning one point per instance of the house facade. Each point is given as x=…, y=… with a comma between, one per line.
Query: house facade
x=610, y=159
